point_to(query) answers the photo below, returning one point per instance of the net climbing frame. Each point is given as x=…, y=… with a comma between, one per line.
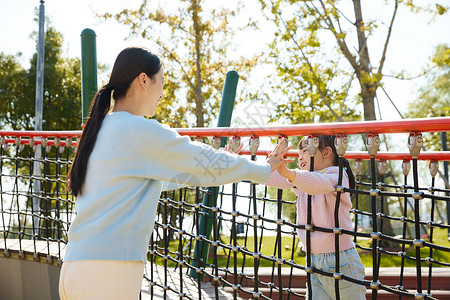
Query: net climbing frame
x=37, y=209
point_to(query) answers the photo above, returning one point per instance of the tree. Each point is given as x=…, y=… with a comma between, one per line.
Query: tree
x=62, y=89
x=193, y=41
x=13, y=93
x=61, y=111
x=434, y=98
x=320, y=52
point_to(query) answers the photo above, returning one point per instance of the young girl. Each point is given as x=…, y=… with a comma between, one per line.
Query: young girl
x=121, y=165
x=321, y=184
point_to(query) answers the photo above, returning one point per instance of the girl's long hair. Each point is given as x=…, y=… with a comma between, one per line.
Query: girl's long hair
x=128, y=65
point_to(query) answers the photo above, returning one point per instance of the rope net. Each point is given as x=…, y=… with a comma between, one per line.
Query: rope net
x=36, y=209
x=242, y=237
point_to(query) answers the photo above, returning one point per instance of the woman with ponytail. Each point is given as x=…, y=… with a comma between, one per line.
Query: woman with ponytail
x=321, y=184
x=122, y=164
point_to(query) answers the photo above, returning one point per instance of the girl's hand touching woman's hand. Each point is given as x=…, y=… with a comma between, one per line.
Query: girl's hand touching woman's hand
x=277, y=161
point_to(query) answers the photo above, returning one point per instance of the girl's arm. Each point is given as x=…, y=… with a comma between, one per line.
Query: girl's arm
x=279, y=181
x=317, y=183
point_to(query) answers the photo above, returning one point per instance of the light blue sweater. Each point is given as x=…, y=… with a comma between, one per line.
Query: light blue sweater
x=132, y=158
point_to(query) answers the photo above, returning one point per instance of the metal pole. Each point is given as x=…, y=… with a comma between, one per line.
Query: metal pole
x=40, y=70
x=210, y=199
x=38, y=113
x=88, y=70
x=444, y=148
x=227, y=105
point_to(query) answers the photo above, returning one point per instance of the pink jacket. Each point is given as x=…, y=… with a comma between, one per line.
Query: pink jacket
x=321, y=185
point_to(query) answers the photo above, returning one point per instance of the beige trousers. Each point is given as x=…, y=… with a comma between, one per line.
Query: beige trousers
x=101, y=279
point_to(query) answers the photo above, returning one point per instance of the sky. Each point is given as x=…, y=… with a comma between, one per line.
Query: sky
x=413, y=39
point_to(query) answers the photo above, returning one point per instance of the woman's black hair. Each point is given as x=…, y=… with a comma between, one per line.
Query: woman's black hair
x=128, y=65
x=328, y=141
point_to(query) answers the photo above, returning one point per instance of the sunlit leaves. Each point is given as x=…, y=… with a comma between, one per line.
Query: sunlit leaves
x=62, y=89
x=434, y=98
x=313, y=80
x=442, y=57
x=193, y=40
x=440, y=9
x=322, y=56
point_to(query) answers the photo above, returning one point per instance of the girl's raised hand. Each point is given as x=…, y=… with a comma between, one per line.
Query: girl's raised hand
x=276, y=158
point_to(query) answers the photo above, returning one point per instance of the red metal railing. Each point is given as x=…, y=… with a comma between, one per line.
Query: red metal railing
x=430, y=155
x=399, y=126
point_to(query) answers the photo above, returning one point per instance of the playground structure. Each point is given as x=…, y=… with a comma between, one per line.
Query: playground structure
x=35, y=223
x=188, y=254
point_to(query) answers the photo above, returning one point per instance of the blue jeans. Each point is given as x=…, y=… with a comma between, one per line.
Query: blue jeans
x=350, y=265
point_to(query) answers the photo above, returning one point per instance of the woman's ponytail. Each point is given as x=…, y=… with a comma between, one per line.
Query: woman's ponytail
x=100, y=106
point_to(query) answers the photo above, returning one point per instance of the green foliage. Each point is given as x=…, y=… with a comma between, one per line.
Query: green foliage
x=269, y=242
x=62, y=92
x=439, y=238
x=321, y=53
x=193, y=40
x=311, y=79
x=267, y=247
x=14, y=93
x=62, y=89
x=61, y=111
x=62, y=95
x=442, y=57
x=434, y=98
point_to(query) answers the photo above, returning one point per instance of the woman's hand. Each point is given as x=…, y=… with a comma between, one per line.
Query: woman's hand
x=277, y=161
